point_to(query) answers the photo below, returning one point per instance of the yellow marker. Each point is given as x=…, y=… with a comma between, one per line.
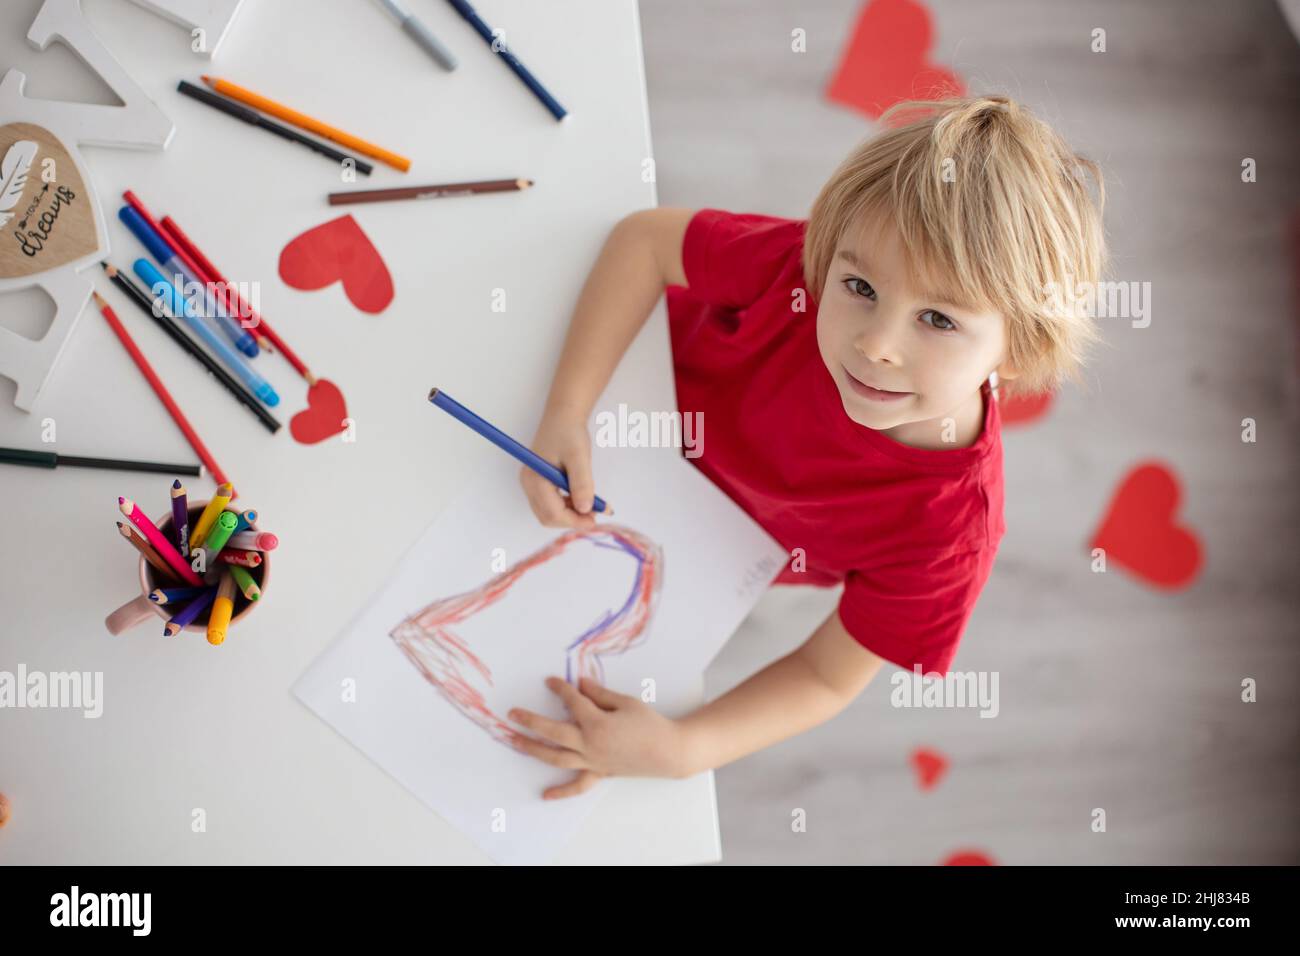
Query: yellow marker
x=214, y=508
x=224, y=603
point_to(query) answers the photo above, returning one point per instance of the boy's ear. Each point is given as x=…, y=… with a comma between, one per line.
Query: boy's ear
x=1006, y=371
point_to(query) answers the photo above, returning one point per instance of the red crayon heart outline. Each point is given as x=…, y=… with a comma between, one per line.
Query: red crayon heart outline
x=969, y=858
x=431, y=641
x=325, y=415
x=885, y=60
x=1023, y=409
x=1139, y=531
x=338, y=251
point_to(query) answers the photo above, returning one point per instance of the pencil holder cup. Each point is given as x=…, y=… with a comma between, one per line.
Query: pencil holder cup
x=140, y=609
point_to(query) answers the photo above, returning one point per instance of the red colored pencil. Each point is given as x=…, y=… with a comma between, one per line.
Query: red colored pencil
x=247, y=559
x=212, y=274
x=160, y=390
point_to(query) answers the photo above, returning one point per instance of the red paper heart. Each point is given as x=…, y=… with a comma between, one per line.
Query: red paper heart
x=885, y=60
x=969, y=858
x=339, y=251
x=1024, y=409
x=1139, y=532
x=930, y=765
x=326, y=414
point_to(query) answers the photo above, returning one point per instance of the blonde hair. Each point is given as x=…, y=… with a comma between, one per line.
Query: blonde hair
x=994, y=211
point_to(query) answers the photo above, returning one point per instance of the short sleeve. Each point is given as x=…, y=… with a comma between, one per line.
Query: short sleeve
x=914, y=612
x=732, y=259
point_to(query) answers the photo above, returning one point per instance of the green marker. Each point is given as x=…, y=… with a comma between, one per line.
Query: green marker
x=219, y=534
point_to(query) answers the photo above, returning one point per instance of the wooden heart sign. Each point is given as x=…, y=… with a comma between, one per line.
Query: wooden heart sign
x=47, y=215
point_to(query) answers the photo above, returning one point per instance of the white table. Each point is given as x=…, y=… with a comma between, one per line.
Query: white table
x=186, y=725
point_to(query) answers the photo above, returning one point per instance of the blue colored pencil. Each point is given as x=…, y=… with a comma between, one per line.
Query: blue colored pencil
x=180, y=519
x=188, y=613
x=172, y=595
x=244, y=520
x=507, y=444
x=510, y=60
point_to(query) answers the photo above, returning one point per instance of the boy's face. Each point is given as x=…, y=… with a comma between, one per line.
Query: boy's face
x=902, y=360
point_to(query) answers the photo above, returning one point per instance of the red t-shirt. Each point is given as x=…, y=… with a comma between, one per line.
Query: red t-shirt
x=911, y=532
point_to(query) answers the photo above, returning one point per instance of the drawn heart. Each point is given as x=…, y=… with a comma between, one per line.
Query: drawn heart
x=930, y=765
x=969, y=858
x=885, y=60
x=48, y=216
x=438, y=641
x=1023, y=409
x=1139, y=531
x=326, y=414
x=338, y=251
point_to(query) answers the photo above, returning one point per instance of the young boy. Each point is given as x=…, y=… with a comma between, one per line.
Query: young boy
x=846, y=368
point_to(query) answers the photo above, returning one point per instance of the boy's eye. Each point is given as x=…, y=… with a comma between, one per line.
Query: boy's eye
x=860, y=287
x=948, y=325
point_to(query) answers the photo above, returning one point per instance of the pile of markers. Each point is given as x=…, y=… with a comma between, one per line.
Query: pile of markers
x=223, y=565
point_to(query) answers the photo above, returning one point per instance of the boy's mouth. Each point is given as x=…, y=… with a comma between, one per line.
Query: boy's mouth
x=869, y=392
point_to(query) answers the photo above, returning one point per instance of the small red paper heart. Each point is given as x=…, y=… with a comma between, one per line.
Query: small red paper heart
x=969, y=858
x=338, y=251
x=1139, y=532
x=1023, y=409
x=326, y=414
x=930, y=765
x=885, y=60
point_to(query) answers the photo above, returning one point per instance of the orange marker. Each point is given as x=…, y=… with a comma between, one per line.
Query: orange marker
x=309, y=123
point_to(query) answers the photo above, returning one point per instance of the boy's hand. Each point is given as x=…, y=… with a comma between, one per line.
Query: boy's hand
x=567, y=444
x=609, y=734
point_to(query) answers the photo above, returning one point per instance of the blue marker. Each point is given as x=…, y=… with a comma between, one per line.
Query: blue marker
x=162, y=250
x=160, y=287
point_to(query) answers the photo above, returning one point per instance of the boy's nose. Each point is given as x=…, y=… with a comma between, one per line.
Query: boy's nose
x=877, y=341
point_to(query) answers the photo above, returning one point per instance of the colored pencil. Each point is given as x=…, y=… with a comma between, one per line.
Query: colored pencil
x=303, y=121
x=260, y=325
x=508, y=58
x=162, y=567
x=159, y=389
x=523, y=453
x=156, y=540
x=189, y=612
x=438, y=191
x=252, y=117
x=245, y=582
x=49, y=459
x=253, y=541
x=247, y=559
x=177, y=335
x=421, y=34
x=222, y=606
x=214, y=507
x=247, y=519
x=173, y=595
x=180, y=518
x=219, y=534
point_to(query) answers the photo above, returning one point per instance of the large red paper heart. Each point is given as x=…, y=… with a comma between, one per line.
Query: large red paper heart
x=326, y=414
x=930, y=765
x=339, y=251
x=435, y=639
x=1023, y=409
x=885, y=60
x=1139, y=532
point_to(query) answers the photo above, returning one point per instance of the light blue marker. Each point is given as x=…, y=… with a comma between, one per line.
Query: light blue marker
x=162, y=287
x=171, y=263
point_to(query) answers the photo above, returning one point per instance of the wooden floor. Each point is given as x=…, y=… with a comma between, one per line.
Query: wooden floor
x=1113, y=695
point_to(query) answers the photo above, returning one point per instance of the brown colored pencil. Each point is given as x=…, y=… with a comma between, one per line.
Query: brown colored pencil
x=150, y=555
x=436, y=191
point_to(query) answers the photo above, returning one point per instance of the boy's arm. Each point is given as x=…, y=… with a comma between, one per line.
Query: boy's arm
x=796, y=693
x=641, y=256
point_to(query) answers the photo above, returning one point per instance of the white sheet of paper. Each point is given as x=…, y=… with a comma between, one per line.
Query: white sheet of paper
x=716, y=563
